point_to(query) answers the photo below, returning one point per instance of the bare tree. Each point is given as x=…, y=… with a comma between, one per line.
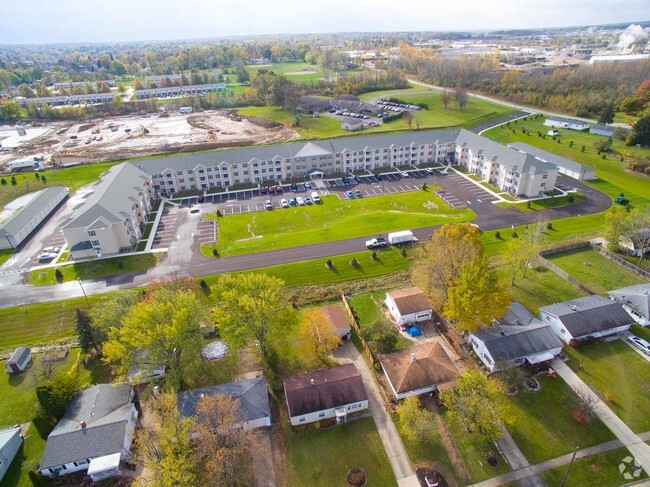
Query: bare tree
x=460, y=94
x=408, y=118
x=445, y=97
x=583, y=401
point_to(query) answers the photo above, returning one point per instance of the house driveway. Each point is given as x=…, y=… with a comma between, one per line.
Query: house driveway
x=636, y=446
x=393, y=445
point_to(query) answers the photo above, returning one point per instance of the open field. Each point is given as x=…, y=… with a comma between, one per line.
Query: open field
x=301, y=73
x=544, y=427
x=94, y=269
x=594, y=270
x=617, y=374
x=310, y=126
x=335, y=219
x=595, y=471
x=613, y=176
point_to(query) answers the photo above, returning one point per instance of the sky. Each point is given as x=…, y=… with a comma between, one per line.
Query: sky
x=56, y=21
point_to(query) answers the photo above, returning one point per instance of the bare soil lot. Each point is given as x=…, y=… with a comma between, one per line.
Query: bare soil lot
x=133, y=136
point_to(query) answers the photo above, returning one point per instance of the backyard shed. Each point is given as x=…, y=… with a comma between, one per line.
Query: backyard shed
x=19, y=360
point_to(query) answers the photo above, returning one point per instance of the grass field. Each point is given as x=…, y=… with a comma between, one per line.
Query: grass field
x=335, y=219
x=595, y=471
x=27, y=182
x=544, y=428
x=613, y=176
x=309, y=72
x=94, y=269
x=322, y=458
x=595, y=271
x=615, y=372
x=545, y=204
x=320, y=127
x=367, y=309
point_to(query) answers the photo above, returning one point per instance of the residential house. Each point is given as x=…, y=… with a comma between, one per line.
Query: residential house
x=637, y=243
x=313, y=104
x=251, y=396
x=95, y=431
x=586, y=318
x=566, y=123
x=61, y=100
x=338, y=320
x=10, y=441
x=564, y=165
x=351, y=125
x=112, y=217
x=606, y=130
x=18, y=360
x=325, y=394
x=518, y=339
x=635, y=300
x=15, y=230
x=408, y=306
x=419, y=369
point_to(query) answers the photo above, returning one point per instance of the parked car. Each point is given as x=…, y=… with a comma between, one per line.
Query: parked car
x=308, y=200
x=263, y=190
x=268, y=205
x=300, y=201
x=294, y=187
x=278, y=189
x=404, y=174
x=195, y=210
x=358, y=180
x=46, y=257
x=292, y=202
x=315, y=197
x=51, y=250
x=307, y=185
x=284, y=203
x=376, y=243
x=429, y=170
x=639, y=343
x=271, y=190
x=358, y=194
x=349, y=194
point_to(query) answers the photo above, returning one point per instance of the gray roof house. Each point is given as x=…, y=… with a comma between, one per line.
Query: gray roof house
x=565, y=166
x=567, y=123
x=586, y=318
x=635, y=300
x=251, y=396
x=518, y=338
x=98, y=423
x=18, y=360
x=10, y=441
x=606, y=130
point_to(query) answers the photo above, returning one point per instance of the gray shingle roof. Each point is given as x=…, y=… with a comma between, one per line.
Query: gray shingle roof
x=550, y=157
x=511, y=342
x=635, y=297
x=16, y=222
x=105, y=408
x=517, y=316
x=251, y=395
x=591, y=314
x=567, y=120
x=110, y=197
x=18, y=355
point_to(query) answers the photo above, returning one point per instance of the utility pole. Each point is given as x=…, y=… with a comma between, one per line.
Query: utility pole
x=83, y=291
x=570, y=465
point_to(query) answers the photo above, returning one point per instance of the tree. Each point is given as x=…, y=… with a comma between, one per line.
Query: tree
x=85, y=331
x=520, y=253
x=253, y=307
x=316, y=337
x=640, y=133
x=167, y=451
x=439, y=261
x=512, y=376
x=583, y=401
x=408, y=118
x=137, y=84
x=445, y=97
x=478, y=403
x=242, y=75
x=461, y=97
x=603, y=145
x=380, y=335
x=109, y=311
x=164, y=326
x=615, y=227
x=223, y=447
x=478, y=296
x=606, y=115
x=417, y=423
x=54, y=395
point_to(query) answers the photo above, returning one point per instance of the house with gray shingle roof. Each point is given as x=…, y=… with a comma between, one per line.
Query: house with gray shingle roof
x=98, y=423
x=635, y=300
x=251, y=396
x=566, y=123
x=586, y=318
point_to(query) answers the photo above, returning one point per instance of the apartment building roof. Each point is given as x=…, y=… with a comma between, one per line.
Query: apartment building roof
x=549, y=157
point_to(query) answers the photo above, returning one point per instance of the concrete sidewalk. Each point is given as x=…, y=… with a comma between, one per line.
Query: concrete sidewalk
x=393, y=445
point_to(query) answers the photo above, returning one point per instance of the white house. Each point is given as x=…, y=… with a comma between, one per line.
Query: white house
x=566, y=123
x=18, y=360
x=251, y=396
x=585, y=318
x=325, y=394
x=635, y=300
x=351, y=125
x=419, y=369
x=95, y=433
x=10, y=441
x=408, y=306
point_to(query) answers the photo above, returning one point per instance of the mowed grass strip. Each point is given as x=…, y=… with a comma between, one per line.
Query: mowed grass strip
x=595, y=271
x=544, y=427
x=618, y=374
x=335, y=219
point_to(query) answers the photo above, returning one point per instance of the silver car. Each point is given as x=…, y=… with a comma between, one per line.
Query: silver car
x=639, y=343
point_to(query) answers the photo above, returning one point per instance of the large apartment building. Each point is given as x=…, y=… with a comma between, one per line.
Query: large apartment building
x=190, y=90
x=111, y=219
x=60, y=100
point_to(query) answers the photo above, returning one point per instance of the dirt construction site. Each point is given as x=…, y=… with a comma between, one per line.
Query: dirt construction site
x=116, y=138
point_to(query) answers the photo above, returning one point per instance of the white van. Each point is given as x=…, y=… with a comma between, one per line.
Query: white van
x=315, y=197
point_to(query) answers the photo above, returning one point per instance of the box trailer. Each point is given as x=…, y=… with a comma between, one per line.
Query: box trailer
x=25, y=163
x=400, y=237
x=186, y=110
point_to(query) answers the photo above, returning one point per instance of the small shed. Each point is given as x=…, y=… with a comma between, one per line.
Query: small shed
x=351, y=126
x=19, y=360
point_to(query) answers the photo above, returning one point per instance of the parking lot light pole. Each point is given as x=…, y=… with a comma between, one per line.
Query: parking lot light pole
x=83, y=290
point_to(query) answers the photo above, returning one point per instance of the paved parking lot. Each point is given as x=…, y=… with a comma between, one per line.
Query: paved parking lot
x=55, y=239
x=207, y=232
x=166, y=231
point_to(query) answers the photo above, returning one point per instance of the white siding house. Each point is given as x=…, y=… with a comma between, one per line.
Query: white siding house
x=566, y=123
x=325, y=394
x=635, y=300
x=408, y=306
x=10, y=441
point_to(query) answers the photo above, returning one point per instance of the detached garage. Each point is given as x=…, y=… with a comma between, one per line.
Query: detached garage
x=19, y=360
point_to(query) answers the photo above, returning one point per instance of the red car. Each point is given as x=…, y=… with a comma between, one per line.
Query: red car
x=278, y=189
x=271, y=190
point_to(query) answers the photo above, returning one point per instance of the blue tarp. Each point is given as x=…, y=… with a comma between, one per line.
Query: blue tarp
x=414, y=331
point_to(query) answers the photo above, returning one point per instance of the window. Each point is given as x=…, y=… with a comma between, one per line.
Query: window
x=321, y=415
x=92, y=233
x=302, y=420
x=94, y=243
x=81, y=462
x=563, y=331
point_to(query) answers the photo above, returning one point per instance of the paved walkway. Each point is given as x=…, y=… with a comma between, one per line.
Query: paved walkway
x=393, y=445
x=517, y=459
x=263, y=461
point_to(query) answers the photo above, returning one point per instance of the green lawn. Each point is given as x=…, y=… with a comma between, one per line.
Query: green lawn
x=540, y=287
x=544, y=427
x=301, y=73
x=323, y=457
x=367, y=308
x=641, y=331
x=310, y=126
x=595, y=471
x=595, y=271
x=5, y=255
x=618, y=375
x=545, y=204
x=26, y=182
x=95, y=269
x=335, y=219
x=612, y=173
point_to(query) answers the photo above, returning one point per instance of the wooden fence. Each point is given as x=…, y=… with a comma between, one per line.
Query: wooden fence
x=560, y=272
x=621, y=261
x=366, y=352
